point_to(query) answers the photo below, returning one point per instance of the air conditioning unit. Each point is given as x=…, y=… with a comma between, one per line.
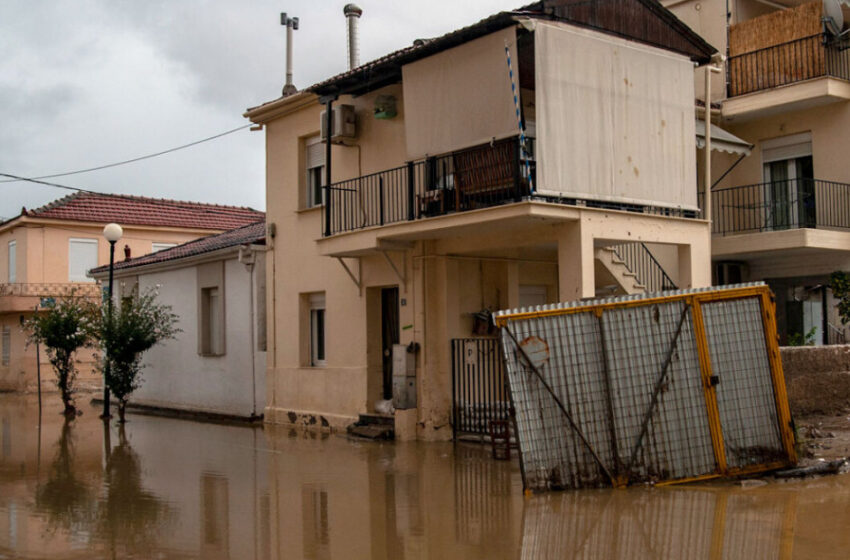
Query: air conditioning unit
x=343, y=125
x=728, y=272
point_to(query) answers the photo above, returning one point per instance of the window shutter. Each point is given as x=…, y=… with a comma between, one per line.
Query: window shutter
x=82, y=256
x=315, y=155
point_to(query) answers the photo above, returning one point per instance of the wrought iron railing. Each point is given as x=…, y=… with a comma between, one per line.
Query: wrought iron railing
x=479, y=393
x=81, y=289
x=779, y=205
x=642, y=263
x=477, y=177
x=788, y=63
x=836, y=335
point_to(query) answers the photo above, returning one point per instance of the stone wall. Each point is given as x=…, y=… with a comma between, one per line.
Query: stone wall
x=817, y=378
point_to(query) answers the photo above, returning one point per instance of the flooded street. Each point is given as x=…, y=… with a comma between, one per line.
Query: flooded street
x=175, y=488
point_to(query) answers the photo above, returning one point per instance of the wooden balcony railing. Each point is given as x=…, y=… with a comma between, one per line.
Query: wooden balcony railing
x=787, y=63
x=79, y=289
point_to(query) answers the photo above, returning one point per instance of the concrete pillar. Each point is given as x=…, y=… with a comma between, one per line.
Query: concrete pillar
x=576, y=278
x=434, y=383
x=695, y=263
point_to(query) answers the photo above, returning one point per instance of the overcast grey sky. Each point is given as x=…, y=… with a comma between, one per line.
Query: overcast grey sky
x=92, y=82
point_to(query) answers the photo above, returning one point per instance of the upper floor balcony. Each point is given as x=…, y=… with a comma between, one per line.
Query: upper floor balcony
x=24, y=296
x=786, y=60
x=484, y=176
x=788, y=63
x=790, y=214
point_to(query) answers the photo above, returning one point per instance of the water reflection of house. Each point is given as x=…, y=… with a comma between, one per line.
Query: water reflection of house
x=46, y=252
x=783, y=214
x=435, y=211
x=216, y=287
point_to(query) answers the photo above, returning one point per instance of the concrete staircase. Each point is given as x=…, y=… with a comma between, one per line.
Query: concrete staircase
x=613, y=277
x=373, y=426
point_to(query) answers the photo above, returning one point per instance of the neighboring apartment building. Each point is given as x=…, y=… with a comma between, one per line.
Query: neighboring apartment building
x=216, y=286
x=436, y=213
x=783, y=213
x=46, y=252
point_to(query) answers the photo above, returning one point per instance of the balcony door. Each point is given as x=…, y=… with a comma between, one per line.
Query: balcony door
x=789, y=190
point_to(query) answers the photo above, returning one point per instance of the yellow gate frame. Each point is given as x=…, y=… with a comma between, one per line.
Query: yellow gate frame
x=696, y=300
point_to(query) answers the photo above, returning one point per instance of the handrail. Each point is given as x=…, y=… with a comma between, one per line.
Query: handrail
x=786, y=63
x=780, y=205
x=640, y=261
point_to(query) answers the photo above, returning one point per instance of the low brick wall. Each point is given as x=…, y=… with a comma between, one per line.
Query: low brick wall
x=818, y=379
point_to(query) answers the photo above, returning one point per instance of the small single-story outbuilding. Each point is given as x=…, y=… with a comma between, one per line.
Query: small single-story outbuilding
x=216, y=286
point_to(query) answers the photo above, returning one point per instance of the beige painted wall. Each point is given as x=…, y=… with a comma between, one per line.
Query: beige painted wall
x=42, y=258
x=456, y=266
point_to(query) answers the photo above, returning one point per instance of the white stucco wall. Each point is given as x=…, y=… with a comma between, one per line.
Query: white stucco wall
x=176, y=376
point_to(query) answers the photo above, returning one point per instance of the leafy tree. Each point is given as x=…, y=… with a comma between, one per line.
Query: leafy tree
x=839, y=282
x=133, y=328
x=64, y=326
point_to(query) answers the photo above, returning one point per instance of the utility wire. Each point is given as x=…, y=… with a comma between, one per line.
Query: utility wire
x=157, y=201
x=126, y=161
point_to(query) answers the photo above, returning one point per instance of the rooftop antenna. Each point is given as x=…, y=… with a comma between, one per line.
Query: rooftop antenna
x=291, y=25
x=352, y=13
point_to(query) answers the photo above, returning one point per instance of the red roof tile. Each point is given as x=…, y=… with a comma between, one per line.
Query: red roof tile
x=143, y=211
x=246, y=235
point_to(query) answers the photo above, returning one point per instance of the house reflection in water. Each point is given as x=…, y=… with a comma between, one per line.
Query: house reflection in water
x=171, y=488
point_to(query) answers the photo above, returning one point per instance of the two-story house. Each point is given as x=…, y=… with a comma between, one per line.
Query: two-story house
x=781, y=214
x=46, y=253
x=540, y=155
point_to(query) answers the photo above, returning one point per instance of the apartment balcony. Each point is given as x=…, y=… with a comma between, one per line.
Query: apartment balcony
x=795, y=214
x=794, y=75
x=476, y=190
x=22, y=297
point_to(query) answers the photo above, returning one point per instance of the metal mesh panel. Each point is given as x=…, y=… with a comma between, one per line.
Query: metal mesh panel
x=745, y=396
x=623, y=390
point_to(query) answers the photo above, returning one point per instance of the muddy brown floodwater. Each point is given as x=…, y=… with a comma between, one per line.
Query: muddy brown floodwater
x=170, y=488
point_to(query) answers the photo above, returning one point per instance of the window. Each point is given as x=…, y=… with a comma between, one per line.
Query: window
x=161, y=246
x=314, y=153
x=211, y=322
x=317, y=330
x=13, y=262
x=7, y=344
x=789, y=182
x=82, y=257
x=211, y=309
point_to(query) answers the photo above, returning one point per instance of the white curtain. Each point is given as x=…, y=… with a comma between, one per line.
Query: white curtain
x=615, y=119
x=460, y=97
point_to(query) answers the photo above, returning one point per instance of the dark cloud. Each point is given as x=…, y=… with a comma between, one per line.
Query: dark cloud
x=92, y=82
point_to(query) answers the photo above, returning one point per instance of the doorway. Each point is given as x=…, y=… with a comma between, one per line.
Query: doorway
x=389, y=336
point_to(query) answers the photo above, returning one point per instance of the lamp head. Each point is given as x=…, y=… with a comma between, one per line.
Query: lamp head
x=112, y=232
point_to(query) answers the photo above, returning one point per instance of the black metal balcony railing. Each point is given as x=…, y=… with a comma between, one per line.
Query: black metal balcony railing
x=473, y=178
x=642, y=263
x=787, y=63
x=779, y=205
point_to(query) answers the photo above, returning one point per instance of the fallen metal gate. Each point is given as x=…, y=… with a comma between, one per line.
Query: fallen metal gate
x=479, y=394
x=666, y=387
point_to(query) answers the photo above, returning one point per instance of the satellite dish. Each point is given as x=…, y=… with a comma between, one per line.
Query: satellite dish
x=833, y=17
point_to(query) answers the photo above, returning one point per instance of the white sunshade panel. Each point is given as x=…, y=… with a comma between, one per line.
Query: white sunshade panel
x=460, y=97
x=82, y=257
x=614, y=119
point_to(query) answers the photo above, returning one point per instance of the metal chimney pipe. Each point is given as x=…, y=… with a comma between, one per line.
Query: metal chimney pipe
x=291, y=25
x=352, y=13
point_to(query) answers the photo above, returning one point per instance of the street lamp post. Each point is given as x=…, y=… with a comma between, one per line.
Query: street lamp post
x=112, y=233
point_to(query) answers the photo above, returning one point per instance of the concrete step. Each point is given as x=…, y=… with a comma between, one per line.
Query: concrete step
x=372, y=431
x=376, y=419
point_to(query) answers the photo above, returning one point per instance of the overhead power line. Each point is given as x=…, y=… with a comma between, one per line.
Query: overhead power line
x=126, y=161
